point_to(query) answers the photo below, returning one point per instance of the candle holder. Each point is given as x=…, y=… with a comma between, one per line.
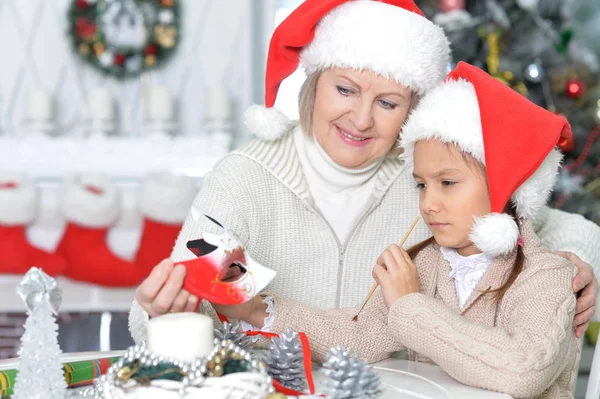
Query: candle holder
x=39, y=118
x=101, y=120
x=159, y=107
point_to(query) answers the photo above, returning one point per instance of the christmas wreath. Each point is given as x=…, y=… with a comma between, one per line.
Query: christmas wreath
x=124, y=38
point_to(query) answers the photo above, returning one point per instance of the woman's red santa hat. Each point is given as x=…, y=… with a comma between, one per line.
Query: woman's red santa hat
x=515, y=139
x=390, y=37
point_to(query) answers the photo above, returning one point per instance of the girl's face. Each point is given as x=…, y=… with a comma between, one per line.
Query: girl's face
x=358, y=115
x=453, y=191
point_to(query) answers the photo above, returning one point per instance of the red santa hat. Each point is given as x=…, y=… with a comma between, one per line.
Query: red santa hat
x=515, y=139
x=390, y=37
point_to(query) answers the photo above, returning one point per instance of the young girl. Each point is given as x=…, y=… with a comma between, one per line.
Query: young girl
x=481, y=298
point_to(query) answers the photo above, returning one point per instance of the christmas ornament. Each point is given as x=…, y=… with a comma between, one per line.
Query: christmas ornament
x=575, y=88
x=349, y=377
x=229, y=332
x=534, y=73
x=40, y=369
x=216, y=254
x=452, y=5
x=285, y=360
x=228, y=370
x=121, y=31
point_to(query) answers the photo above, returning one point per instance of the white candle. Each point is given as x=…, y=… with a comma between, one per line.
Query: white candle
x=182, y=336
x=218, y=103
x=159, y=104
x=101, y=104
x=40, y=106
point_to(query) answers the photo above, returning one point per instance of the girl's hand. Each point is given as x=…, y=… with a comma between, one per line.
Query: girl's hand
x=396, y=274
x=253, y=311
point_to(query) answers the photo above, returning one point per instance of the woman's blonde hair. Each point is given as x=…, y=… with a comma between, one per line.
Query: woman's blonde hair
x=306, y=107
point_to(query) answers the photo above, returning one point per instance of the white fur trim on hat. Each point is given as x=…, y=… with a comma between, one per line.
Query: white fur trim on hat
x=449, y=113
x=167, y=198
x=533, y=194
x=266, y=123
x=383, y=38
x=88, y=208
x=18, y=199
x=495, y=233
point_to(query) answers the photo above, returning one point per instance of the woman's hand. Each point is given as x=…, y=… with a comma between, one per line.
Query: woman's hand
x=254, y=311
x=162, y=291
x=396, y=274
x=585, y=285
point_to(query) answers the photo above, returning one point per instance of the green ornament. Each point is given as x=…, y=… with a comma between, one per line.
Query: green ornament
x=565, y=38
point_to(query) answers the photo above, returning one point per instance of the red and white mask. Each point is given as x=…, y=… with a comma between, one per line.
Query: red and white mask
x=216, y=254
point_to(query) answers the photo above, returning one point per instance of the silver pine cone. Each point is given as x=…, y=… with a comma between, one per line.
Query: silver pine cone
x=285, y=362
x=233, y=333
x=349, y=377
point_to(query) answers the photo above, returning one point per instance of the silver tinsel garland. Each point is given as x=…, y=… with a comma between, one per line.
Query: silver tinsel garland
x=285, y=361
x=233, y=333
x=349, y=377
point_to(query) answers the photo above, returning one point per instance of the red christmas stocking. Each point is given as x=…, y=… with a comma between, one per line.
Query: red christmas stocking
x=165, y=203
x=18, y=197
x=91, y=205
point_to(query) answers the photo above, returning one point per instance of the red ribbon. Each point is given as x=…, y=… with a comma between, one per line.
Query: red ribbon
x=305, y=354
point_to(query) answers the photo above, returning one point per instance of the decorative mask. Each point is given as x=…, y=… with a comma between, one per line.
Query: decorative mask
x=216, y=254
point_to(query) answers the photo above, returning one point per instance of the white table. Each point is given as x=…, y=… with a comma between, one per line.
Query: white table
x=406, y=379
x=399, y=379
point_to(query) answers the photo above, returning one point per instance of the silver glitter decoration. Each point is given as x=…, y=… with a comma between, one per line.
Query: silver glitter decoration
x=534, y=73
x=349, y=377
x=285, y=360
x=230, y=332
x=40, y=368
x=196, y=371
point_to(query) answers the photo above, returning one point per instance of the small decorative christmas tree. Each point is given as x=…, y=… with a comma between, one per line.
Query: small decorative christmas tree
x=349, y=377
x=40, y=369
x=230, y=332
x=285, y=361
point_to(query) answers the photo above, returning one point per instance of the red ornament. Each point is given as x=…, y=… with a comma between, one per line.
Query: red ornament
x=119, y=58
x=575, y=88
x=150, y=49
x=452, y=5
x=85, y=29
x=82, y=3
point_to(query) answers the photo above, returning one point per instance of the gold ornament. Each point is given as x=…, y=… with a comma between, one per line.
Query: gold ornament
x=165, y=35
x=84, y=49
x=98, y=48
x=277, y=395
x=150, y=60
x=493, y=58
x=125, y=373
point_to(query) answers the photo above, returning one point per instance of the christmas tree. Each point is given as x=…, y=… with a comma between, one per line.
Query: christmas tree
x=40, y=369
x=549, y=51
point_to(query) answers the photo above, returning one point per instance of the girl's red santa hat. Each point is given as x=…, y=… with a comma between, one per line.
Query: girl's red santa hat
x=515, y=139
x=390, y=37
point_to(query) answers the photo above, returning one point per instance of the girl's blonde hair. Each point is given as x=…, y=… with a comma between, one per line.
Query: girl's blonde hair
x=306, y=108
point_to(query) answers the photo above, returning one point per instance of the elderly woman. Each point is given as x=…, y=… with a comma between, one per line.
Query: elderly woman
x=319, y=201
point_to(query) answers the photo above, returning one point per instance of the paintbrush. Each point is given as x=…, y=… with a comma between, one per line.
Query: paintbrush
x=370, y=294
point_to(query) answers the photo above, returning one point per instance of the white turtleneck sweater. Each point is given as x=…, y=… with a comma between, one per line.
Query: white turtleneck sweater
x=466, y=271
x=340, y=194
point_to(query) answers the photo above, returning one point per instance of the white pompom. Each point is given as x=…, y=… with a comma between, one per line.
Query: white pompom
x=266, y=123
x=495, y=234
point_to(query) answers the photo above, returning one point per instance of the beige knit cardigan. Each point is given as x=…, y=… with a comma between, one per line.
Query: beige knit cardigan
x=523, y=346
